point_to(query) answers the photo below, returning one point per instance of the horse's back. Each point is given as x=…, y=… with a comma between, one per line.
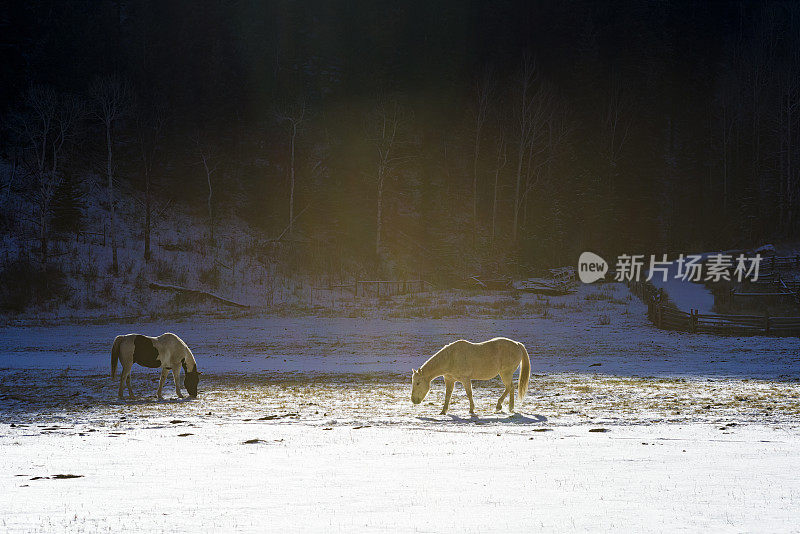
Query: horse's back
x=507, y=351
x=172, y=340
x=501, y=347
x=502, y=342
x=485, y=360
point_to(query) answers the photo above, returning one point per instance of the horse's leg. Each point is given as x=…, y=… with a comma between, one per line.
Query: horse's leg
x=130, y=388
x=448, y=390
x=468, y=389
x=125, y=376
x=499, y=406
x=122, y=381
x=508, y=382
x=164, y=372
x=176, y=373
x=511, y=396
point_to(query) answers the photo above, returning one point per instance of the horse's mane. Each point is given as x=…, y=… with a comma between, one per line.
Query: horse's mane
x=188, y=355
x=439, y=353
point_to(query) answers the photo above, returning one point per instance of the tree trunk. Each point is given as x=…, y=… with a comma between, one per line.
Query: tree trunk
x=520, y=159
x=724, y=160
x=380, y=208
x=291, y=183
x=494, y=202
x=43, y=245
x=109, y=171
x=210, y=212
x=147, y=216
x=475, y=186
x=789, y=184
x=210, y=197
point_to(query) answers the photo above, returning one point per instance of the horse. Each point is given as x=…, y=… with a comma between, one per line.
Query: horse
x=167, y=351
x=464, y=361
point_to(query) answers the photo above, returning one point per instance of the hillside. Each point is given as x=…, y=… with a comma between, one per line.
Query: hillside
x=79, y=279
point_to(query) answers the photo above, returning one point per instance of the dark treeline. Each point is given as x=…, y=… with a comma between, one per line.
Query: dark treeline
x=419, y=133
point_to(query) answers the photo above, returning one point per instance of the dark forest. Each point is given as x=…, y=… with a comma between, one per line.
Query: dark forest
x=411, y=135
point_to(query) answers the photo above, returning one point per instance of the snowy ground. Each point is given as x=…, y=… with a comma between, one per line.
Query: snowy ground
x=305, y=424
x=684, y=294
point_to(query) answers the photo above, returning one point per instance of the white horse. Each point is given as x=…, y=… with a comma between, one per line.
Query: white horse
x=463, y=361
x=167, y=351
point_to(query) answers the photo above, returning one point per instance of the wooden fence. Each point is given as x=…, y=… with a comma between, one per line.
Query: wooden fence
x=772, y=264
x=666, y=316
x=379, y=288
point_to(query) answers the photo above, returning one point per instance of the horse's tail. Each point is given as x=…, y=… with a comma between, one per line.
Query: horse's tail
x=115, y=355
x=524, y=372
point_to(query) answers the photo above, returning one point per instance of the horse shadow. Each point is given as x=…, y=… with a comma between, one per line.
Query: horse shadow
x=514, y=418
x=143, y=400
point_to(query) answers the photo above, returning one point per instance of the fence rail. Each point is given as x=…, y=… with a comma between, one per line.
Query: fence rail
x=378, y=288
x=772, y=264
x=667, y=317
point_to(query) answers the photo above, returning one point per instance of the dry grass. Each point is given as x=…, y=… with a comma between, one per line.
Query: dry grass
x=563, y=399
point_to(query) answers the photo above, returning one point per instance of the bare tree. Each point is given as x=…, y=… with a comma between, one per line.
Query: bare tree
x=483, y=95
x=790, y=101
x=531, y=112
x=386, y=131
x=616, y=128
x=788, y=114
x=761, y=56
x=111, y=96
x=546, y=148
x=502, y=159
x=150, y=120
x=295, y=116
x=50, y=121
x=206, y=158
x=727, y=122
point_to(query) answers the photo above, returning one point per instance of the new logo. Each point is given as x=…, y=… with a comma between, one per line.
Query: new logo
x=591, y=267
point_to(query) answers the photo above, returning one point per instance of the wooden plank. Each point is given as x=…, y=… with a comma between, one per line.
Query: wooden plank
x=772, y=294
x=197, y=292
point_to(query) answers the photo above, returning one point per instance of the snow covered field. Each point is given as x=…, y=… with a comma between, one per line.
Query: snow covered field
x=468, y=478
x=305, y=424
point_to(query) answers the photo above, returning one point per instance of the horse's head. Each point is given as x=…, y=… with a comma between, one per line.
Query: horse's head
x=419, y=386
x=190, y=381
